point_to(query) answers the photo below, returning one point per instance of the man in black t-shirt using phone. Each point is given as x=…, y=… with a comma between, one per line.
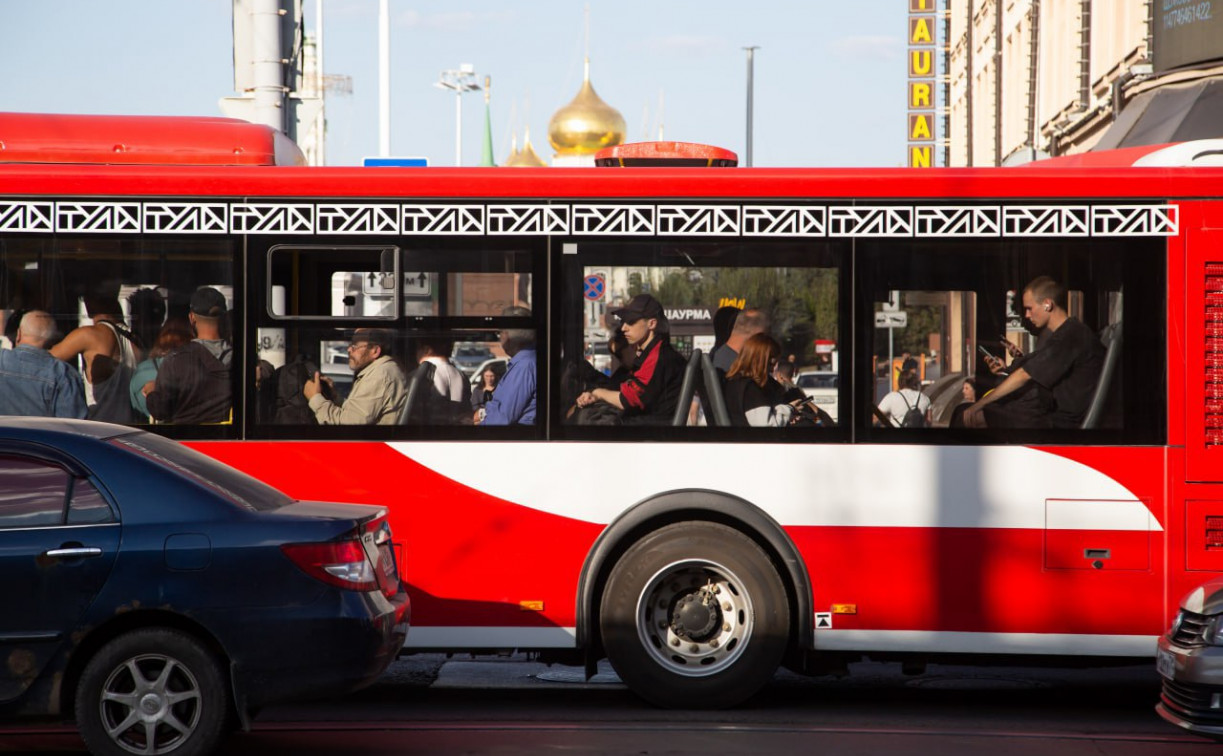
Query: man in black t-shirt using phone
x=1065, y=369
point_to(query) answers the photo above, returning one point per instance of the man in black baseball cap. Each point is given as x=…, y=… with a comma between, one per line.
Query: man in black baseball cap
x=650, y=394
x=207, y=302
x=640, y=306
x=194, y=383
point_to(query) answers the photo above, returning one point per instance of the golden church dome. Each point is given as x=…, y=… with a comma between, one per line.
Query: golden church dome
x=587, y=124
x=526, y=157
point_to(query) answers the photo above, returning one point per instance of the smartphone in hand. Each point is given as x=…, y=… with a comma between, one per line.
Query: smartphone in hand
x=1010, y=348
x=994, y=363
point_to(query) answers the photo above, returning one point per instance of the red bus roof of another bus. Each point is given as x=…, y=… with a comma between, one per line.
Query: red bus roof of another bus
x=665, y=154
x=142, y=140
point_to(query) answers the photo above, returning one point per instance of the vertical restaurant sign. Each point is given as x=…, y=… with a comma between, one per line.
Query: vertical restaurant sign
x=921, y=83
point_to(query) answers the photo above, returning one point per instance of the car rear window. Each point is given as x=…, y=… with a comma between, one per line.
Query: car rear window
x=238, y=487
x=817, y=381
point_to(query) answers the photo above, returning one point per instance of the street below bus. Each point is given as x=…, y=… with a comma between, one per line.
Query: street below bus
x=511, y=705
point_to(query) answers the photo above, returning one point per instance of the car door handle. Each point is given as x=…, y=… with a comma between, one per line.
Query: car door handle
x=79, y=551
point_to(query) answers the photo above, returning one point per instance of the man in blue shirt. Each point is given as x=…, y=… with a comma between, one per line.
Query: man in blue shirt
x=513, y=401
x=32, y=382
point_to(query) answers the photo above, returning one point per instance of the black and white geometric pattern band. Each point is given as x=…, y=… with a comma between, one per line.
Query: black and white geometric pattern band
x=722, y=219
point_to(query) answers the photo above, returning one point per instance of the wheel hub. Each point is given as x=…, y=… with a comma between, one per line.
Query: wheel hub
x=696, y=616
x=150, y=704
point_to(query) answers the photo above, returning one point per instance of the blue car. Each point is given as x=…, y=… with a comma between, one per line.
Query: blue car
x=160, y=597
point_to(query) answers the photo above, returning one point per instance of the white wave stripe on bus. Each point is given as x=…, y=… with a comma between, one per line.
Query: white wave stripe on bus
x=855, y=486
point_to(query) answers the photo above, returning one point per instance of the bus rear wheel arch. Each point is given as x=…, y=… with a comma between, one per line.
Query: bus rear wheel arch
x=695, y=615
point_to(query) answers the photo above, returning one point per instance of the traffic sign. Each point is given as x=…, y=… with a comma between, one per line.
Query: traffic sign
x=414, y=284
x=396, y=162
x=593, y=286
x=891, y=319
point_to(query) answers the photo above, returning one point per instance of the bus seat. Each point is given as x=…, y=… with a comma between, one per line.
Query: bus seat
x=686, y=390
x=419, y=382
x=945, y=394
x=713, y=392
x=1111, y=338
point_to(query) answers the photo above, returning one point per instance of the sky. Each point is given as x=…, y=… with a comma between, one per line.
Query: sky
x=829, y=84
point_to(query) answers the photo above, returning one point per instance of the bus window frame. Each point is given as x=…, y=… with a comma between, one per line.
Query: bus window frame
x=404, y=326
x=1141, y=263
x=642, y=251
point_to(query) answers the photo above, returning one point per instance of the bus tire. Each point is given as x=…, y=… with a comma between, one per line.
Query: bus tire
x=153, y=691
x=694, y=615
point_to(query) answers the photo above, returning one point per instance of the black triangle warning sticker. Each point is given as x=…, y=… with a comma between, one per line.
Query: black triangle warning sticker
x=823, y=620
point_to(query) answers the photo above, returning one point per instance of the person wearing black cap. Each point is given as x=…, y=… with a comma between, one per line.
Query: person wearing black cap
x=650, y=394
x=193, y=385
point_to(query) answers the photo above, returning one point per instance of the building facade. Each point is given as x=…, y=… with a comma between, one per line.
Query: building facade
x=1028, y=79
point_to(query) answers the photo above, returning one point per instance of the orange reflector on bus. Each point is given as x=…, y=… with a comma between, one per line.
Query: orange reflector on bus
x=844, y=608
x=531, y=606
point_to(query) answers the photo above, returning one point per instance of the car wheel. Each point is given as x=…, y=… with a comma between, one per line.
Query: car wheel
x=153, y=691
x=694, y=615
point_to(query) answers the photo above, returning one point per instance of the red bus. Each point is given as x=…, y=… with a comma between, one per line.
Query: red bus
x=698, y=556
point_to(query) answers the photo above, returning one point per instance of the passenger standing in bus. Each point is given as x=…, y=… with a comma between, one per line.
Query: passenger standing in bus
x=747, y=324
x=482, y=393
x=193, y=384
x=450, y=401
x=1066, y=366
x=379, y=388
x=723, y=324
x=32, y=382
x=110, y=354
x=175, y=333
x=649, y=395
x=513, y=402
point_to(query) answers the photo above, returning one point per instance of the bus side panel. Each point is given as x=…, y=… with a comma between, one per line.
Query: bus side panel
x=469, y=559
x=983, y=580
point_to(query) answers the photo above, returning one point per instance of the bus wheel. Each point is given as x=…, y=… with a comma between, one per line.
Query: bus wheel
x=694, y=615
x=153, y=691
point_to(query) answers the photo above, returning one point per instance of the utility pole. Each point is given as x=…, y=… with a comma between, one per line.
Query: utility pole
x=751, y=54
x=384, y=79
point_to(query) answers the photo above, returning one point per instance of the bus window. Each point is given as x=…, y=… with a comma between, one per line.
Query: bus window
x=954, y=311
x=791, y=290
x=143, y=286
x=458, y=304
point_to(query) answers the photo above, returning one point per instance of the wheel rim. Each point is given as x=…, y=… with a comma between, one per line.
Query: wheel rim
x=151, y=704
x=694, y=618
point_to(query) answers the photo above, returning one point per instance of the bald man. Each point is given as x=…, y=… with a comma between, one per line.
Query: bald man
x=32, y=381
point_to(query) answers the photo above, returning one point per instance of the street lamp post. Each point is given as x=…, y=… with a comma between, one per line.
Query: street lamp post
x=461, y=81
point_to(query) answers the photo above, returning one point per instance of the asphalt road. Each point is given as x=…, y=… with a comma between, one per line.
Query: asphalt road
x=431, y=705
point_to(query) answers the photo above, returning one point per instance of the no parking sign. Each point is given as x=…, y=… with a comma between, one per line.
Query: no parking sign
x=593, y=286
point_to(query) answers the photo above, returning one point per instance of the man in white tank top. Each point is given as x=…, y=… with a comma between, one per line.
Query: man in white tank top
x=110, y=356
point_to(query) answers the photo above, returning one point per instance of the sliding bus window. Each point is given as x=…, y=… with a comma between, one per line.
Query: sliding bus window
x=332, y=283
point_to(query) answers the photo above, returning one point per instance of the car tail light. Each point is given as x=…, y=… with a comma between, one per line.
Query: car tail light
x=339, y=563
